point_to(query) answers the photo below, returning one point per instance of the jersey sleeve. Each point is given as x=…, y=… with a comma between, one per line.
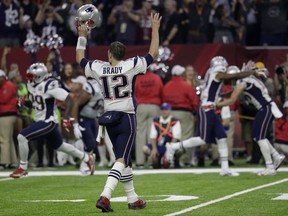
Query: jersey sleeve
x=53, y=88
x=87, y=88
x=140, y=65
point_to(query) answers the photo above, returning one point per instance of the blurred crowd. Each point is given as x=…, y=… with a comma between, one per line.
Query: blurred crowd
x=246, y=22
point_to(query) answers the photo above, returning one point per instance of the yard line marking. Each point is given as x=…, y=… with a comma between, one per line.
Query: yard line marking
x=142, y=172
x=5, y=179
x=226, y=197
x=36, y=201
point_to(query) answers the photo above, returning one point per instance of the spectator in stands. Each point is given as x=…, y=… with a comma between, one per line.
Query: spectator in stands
x=253, y=24
x=281, y=135
x=144, y=26
x=199, y=13
x=272, y=12
x=224, y=26
x=281, y=81
x=30, y=8
x=48, y=20
x=164, y=128
x=8, y=112
x=170, y=24
x=238, y=12
x=125, y=21
x=9, y=23
x=191, y=76
x=70, y=37
x=148, y=92
x=184, y=101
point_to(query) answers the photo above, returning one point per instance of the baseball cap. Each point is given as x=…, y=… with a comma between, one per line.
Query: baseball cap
x=285, y=105
x=165, y=106
x=2, y=73
x=79, y=79
x=177, y=70
x=13, y=74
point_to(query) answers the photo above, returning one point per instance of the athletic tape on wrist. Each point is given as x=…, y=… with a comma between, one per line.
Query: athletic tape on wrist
x=81, y=43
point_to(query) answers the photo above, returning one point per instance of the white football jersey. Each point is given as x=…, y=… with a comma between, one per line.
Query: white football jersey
x=95, y=106
x=211, y=86
x=117, y=82
x=43, y=97
x=255, y=91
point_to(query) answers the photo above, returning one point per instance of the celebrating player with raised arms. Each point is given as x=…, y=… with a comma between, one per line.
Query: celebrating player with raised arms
x=254, y=89
x=210, y=128
x=116, y=78
x=43, y=90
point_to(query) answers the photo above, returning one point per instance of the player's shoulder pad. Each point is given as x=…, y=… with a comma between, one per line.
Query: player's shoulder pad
x=51, y=83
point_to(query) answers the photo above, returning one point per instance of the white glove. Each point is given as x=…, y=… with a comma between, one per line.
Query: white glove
x=77, y=130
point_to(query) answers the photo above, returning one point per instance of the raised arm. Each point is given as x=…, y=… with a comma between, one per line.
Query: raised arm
x=81, y=43
x=234, y=96
x=241, y=75
x=154, y=45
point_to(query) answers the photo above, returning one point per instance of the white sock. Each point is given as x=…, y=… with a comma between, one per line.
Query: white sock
x=265, y=150
x=273, y=151
x=127, y=180
x=189, y=143
x=223, y=152
x=102, y=153
x=72, y=150
x=113, y=179
x=23, y=151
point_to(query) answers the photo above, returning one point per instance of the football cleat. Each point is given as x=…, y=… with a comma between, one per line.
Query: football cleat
x=169, y=152
x=91, y=163
x=104, y=204
x=267, y=172
x=139, y=204
x=224, y=172
x=18, y=173
x=278, y=161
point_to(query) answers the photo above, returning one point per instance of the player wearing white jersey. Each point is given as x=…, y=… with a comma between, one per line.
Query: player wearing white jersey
x=86, y=109
x=257, y=93
x=210, y=128
x=116, y=79
x=43, y=92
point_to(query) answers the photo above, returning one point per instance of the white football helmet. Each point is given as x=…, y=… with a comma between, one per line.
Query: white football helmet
x=88, y=14
x=36, y=73
x=218, y=61
x=233, y=69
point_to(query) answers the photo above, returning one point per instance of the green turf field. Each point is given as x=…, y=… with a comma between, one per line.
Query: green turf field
x=200, y=194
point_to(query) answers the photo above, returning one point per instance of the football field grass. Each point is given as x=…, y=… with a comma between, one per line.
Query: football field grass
x=167, y=192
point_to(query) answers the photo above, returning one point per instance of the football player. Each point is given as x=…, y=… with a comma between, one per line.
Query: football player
x=116, y=78
x=43, y=90
x=254, y=89
x=88, y=107
x=211, y=129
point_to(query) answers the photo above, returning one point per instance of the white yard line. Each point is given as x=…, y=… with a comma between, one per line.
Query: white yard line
x=226, y=197
x=141, y=171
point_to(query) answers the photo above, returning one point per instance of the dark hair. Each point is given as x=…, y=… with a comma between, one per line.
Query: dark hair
x=280, y=70
x=117, y=49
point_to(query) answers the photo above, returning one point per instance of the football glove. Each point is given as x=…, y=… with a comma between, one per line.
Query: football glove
x=77, y=130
